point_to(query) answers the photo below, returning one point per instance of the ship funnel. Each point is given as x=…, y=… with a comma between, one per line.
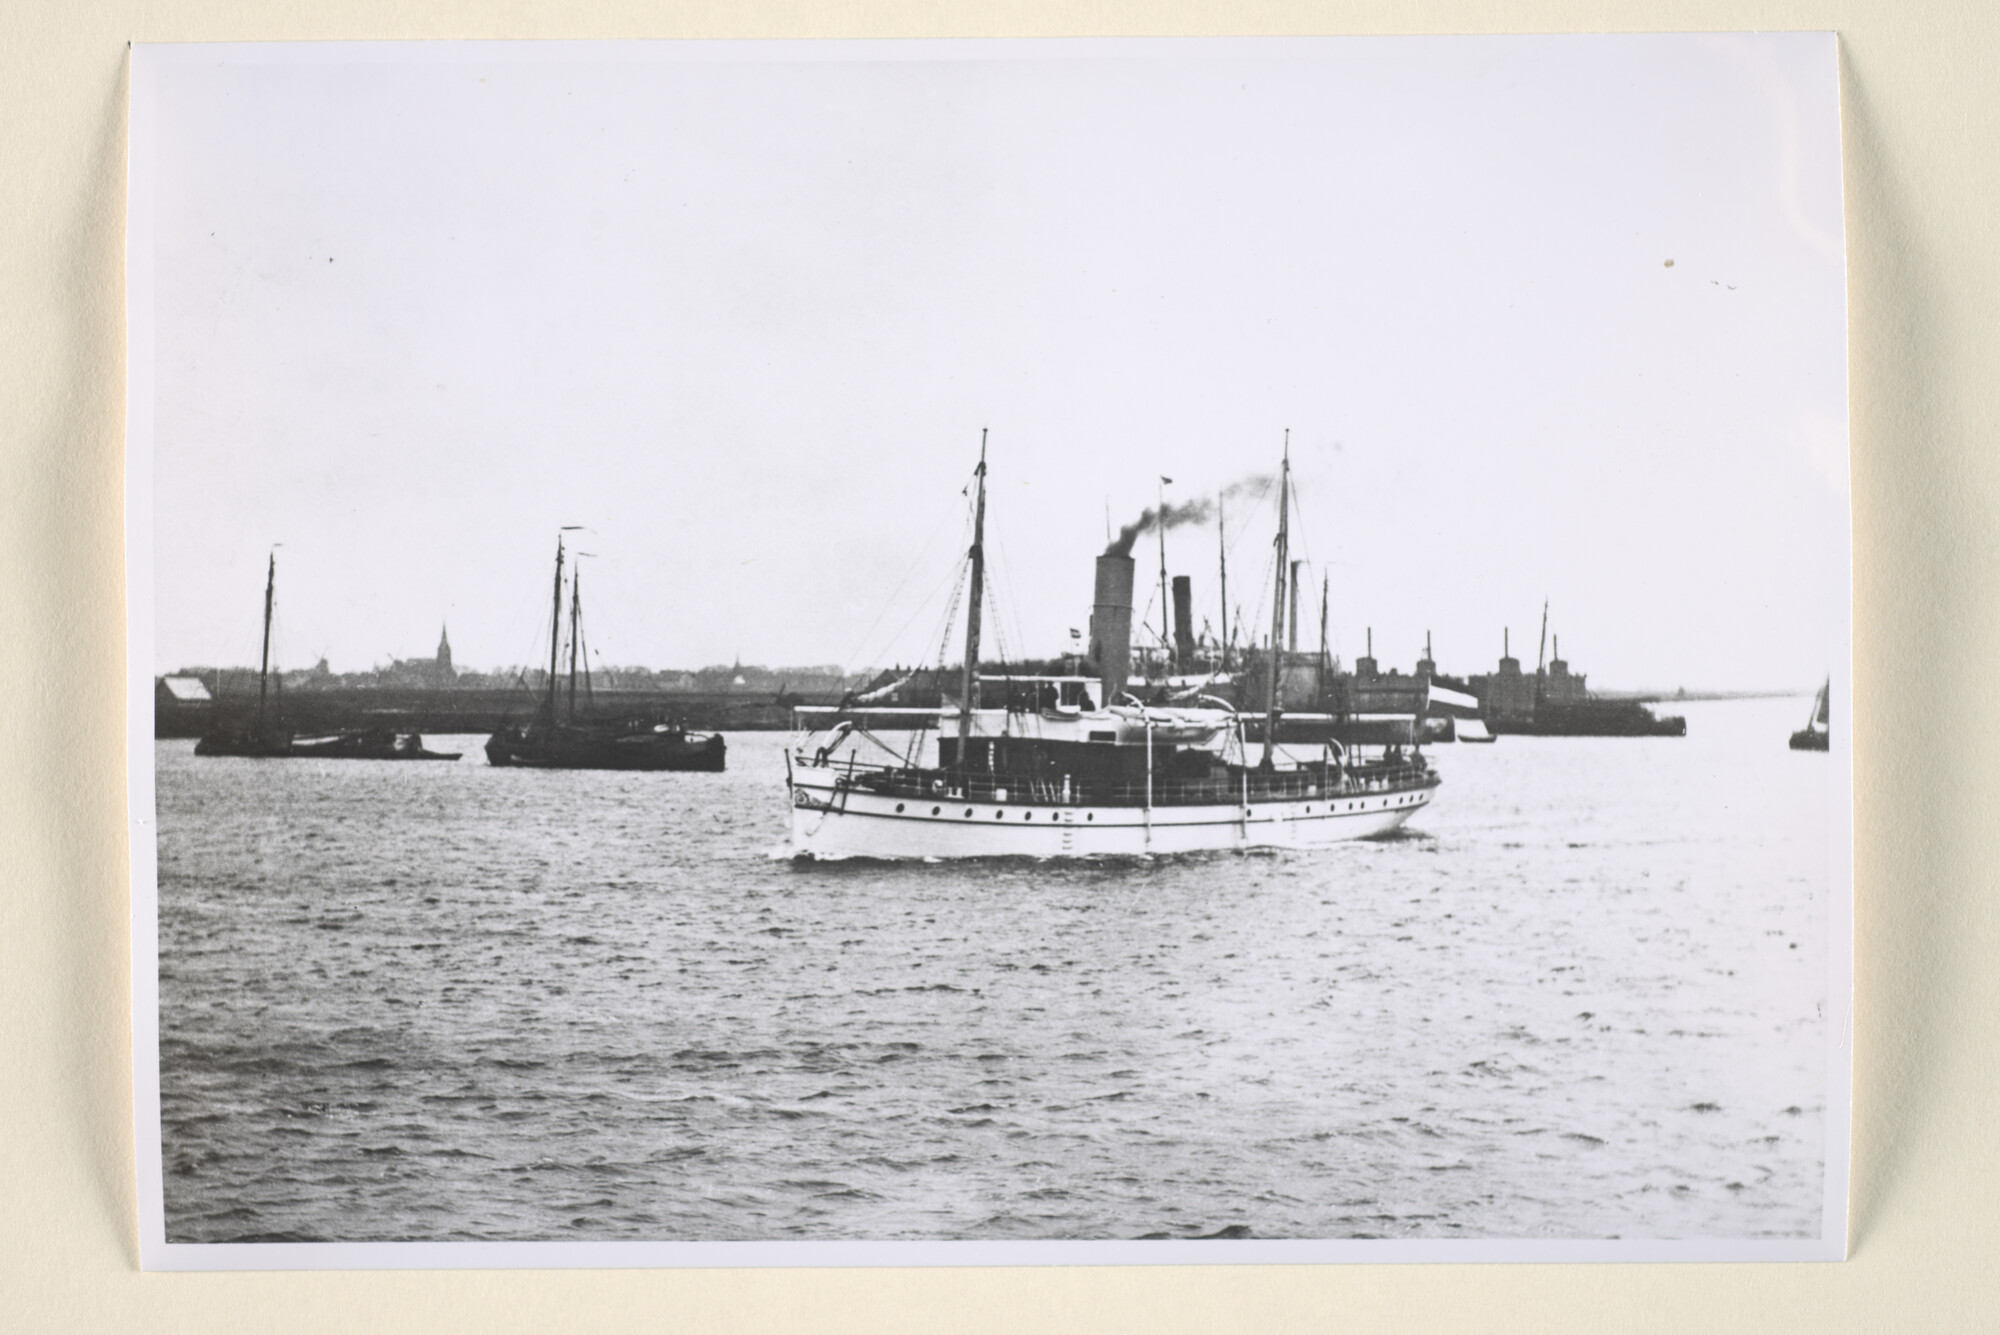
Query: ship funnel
x=1111, y=625
x=1184, y=623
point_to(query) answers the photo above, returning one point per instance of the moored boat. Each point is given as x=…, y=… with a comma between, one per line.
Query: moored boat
x=1063, y=777
x=370, y=744
x=263, y=736
x=558, y=738
x=1818, y=732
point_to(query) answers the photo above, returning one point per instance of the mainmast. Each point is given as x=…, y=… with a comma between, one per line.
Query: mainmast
x=264, y=665
x=978, y=554
x=555, y=630
x=1278, y=599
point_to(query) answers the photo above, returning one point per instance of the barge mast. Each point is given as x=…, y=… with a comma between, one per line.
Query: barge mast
x=264, y=665
x=555, y=631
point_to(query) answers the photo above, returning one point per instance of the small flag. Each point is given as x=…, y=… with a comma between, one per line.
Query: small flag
x=1166, y=482
x=1075, y=634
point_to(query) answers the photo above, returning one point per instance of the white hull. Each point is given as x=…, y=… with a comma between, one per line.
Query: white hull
x=830, y=821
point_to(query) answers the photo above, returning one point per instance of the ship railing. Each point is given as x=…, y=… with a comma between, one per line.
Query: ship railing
x=1056, y=790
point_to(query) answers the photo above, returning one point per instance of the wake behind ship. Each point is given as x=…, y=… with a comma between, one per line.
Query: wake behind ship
x=566, y=739
x=1066, y=778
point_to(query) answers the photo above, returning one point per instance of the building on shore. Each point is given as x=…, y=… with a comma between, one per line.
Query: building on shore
x=436, y=673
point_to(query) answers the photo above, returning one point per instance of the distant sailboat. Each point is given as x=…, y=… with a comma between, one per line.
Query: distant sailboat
x=560, y=739
x=1818, y=730
x=265, y=737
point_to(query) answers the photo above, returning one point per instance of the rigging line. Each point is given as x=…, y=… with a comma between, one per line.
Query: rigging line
x=944, y=517
x=1299, y=525
x=950, y=572
x=1259, y=610
x=911, y=620
x=1012, y=604
x=951, y=612
x=1233, y=535
x=1257, y=499
x=1009, y=649
x=964, y=571
x=998, y=608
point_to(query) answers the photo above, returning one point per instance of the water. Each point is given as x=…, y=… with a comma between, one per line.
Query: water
x=1582, y=997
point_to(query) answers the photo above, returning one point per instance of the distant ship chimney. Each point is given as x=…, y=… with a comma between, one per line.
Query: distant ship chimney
x=1184, y=623
x=1111, y=625
x=1364, y=666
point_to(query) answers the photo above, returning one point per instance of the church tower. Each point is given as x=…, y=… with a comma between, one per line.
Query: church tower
x=444, y=669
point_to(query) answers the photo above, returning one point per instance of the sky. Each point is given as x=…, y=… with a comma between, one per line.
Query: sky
x=1541, y=318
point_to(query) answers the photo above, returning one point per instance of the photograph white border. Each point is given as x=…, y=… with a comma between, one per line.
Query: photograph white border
x=156, y=1253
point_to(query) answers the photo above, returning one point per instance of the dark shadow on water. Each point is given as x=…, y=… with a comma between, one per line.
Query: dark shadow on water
x=852, y=866
x=1402, y=834
x=806, y=862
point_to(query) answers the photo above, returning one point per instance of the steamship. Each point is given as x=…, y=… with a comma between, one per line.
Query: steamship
x=1057, y=774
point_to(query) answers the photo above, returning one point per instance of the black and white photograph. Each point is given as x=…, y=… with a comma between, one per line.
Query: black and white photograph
x=1196, y=651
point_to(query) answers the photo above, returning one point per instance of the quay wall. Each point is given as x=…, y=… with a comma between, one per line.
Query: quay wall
x=449, y=710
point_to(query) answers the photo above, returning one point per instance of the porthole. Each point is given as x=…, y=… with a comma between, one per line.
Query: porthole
x=968, y=811
x=899, y=808
x=936, y=810
x=998, y=815
x=1027, y=815
x=1090, y=815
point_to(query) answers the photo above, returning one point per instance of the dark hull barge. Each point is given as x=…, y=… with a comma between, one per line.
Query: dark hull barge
x=567, y=737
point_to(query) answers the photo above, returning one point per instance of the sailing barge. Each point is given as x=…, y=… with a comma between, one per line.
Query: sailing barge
x=565, y=739
x=264, y=735
x=1070, y=779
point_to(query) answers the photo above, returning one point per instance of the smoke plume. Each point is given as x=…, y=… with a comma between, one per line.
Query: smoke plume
x=1197, y=511
x=1168, y=516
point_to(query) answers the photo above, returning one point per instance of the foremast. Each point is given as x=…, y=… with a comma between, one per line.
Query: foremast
x=970, y=685
x=1278, y=602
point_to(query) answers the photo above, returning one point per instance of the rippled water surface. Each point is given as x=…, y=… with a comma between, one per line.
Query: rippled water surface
x=1582, y=996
